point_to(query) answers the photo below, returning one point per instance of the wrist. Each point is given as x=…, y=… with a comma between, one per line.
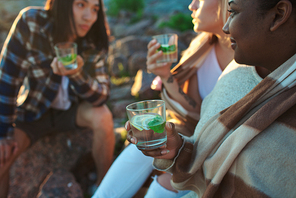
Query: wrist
x=167, y=78
x=181, y=142
x=179, y=147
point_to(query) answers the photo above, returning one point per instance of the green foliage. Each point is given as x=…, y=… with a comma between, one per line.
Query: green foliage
x=129, y=5
x=180, y=21
x=137, y=17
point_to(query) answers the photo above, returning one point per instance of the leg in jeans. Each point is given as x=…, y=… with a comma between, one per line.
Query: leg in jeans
x=127, y=174
x=23, y=143
x=161, y=187
x=100, y=120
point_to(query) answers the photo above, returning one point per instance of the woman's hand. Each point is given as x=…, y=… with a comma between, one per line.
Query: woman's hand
x=59, y=69
x=160, y=69
x=8, y=148
x=169, y=151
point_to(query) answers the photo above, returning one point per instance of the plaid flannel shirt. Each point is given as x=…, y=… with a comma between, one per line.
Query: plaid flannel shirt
x=27, y=54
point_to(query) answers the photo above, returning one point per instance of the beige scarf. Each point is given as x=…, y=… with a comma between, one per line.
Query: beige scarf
x=269, y=108
x=187, y=67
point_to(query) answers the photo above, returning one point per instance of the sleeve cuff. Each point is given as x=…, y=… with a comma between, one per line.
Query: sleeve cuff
x=6, y=131
x=165, y=164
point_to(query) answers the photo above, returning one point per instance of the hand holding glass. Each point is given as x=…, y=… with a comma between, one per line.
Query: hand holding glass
x=168, y=46
x=67, y=54
x=147, y=119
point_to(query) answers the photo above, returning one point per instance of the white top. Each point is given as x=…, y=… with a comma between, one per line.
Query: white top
x=62, y=99
x=208, y=74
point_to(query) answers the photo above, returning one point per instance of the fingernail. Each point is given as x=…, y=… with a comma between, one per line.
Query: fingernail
x=133, y=140
x=125, y=126
x=169, y=125
x=164, y=152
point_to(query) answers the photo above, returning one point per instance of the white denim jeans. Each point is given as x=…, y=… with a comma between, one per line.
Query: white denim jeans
x=127, y=174
x=157, y=191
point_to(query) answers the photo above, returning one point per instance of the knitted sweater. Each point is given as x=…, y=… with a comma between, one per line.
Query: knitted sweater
x=247, y=149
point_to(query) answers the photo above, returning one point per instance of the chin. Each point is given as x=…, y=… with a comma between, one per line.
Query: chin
x=238, y=59
x=196, y=29
x=242, y=60
x=82, y=34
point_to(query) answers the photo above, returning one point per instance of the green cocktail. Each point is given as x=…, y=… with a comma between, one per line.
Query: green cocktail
x=149, y=129
x=167, y=49
x=67, y=54
x=69, y=61
x=147, y=121
x=168, y=46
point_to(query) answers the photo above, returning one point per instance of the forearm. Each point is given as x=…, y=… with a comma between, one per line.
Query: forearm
x=9, y=88
x=90, y=89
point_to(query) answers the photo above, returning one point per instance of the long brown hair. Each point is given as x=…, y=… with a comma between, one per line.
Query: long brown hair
x=62, y=15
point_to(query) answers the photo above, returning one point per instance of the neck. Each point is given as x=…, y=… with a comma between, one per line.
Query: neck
x=224, y=52
x=262, y=72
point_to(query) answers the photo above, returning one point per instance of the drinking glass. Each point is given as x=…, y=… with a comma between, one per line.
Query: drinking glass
x=67, y=54
x=147, y=120
x=169, y=47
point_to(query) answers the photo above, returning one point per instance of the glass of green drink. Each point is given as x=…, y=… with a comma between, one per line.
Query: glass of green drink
x=168, y=46
x=147, y=120
x=67, y=54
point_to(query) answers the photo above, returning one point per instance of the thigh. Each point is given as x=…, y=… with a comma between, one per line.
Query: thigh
x=22, y=139
x=88, y=115
x=52, y=122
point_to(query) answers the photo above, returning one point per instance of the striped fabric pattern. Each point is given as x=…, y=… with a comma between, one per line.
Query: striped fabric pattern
x=248, y=149
x=27, y=54
x=190, y=62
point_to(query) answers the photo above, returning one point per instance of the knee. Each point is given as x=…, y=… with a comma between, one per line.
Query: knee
x=102, y=114
x=102, y=117
x=164, y=181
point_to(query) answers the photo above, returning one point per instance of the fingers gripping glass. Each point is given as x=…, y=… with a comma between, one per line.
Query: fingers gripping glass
x=147, y=119
x=168, y=46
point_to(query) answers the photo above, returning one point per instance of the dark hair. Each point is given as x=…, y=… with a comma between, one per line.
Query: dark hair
x=62, y=16
x=265, y=5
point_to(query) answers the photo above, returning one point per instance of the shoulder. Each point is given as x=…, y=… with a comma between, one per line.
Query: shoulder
x=235, y=70
x=33, y=19
x=34, y=14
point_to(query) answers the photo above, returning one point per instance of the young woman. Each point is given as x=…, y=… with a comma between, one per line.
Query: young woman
x=58, y=99
x=244, y=144
x=192, y=79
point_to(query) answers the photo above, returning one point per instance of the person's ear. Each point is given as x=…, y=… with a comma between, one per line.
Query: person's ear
x=282, y=12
